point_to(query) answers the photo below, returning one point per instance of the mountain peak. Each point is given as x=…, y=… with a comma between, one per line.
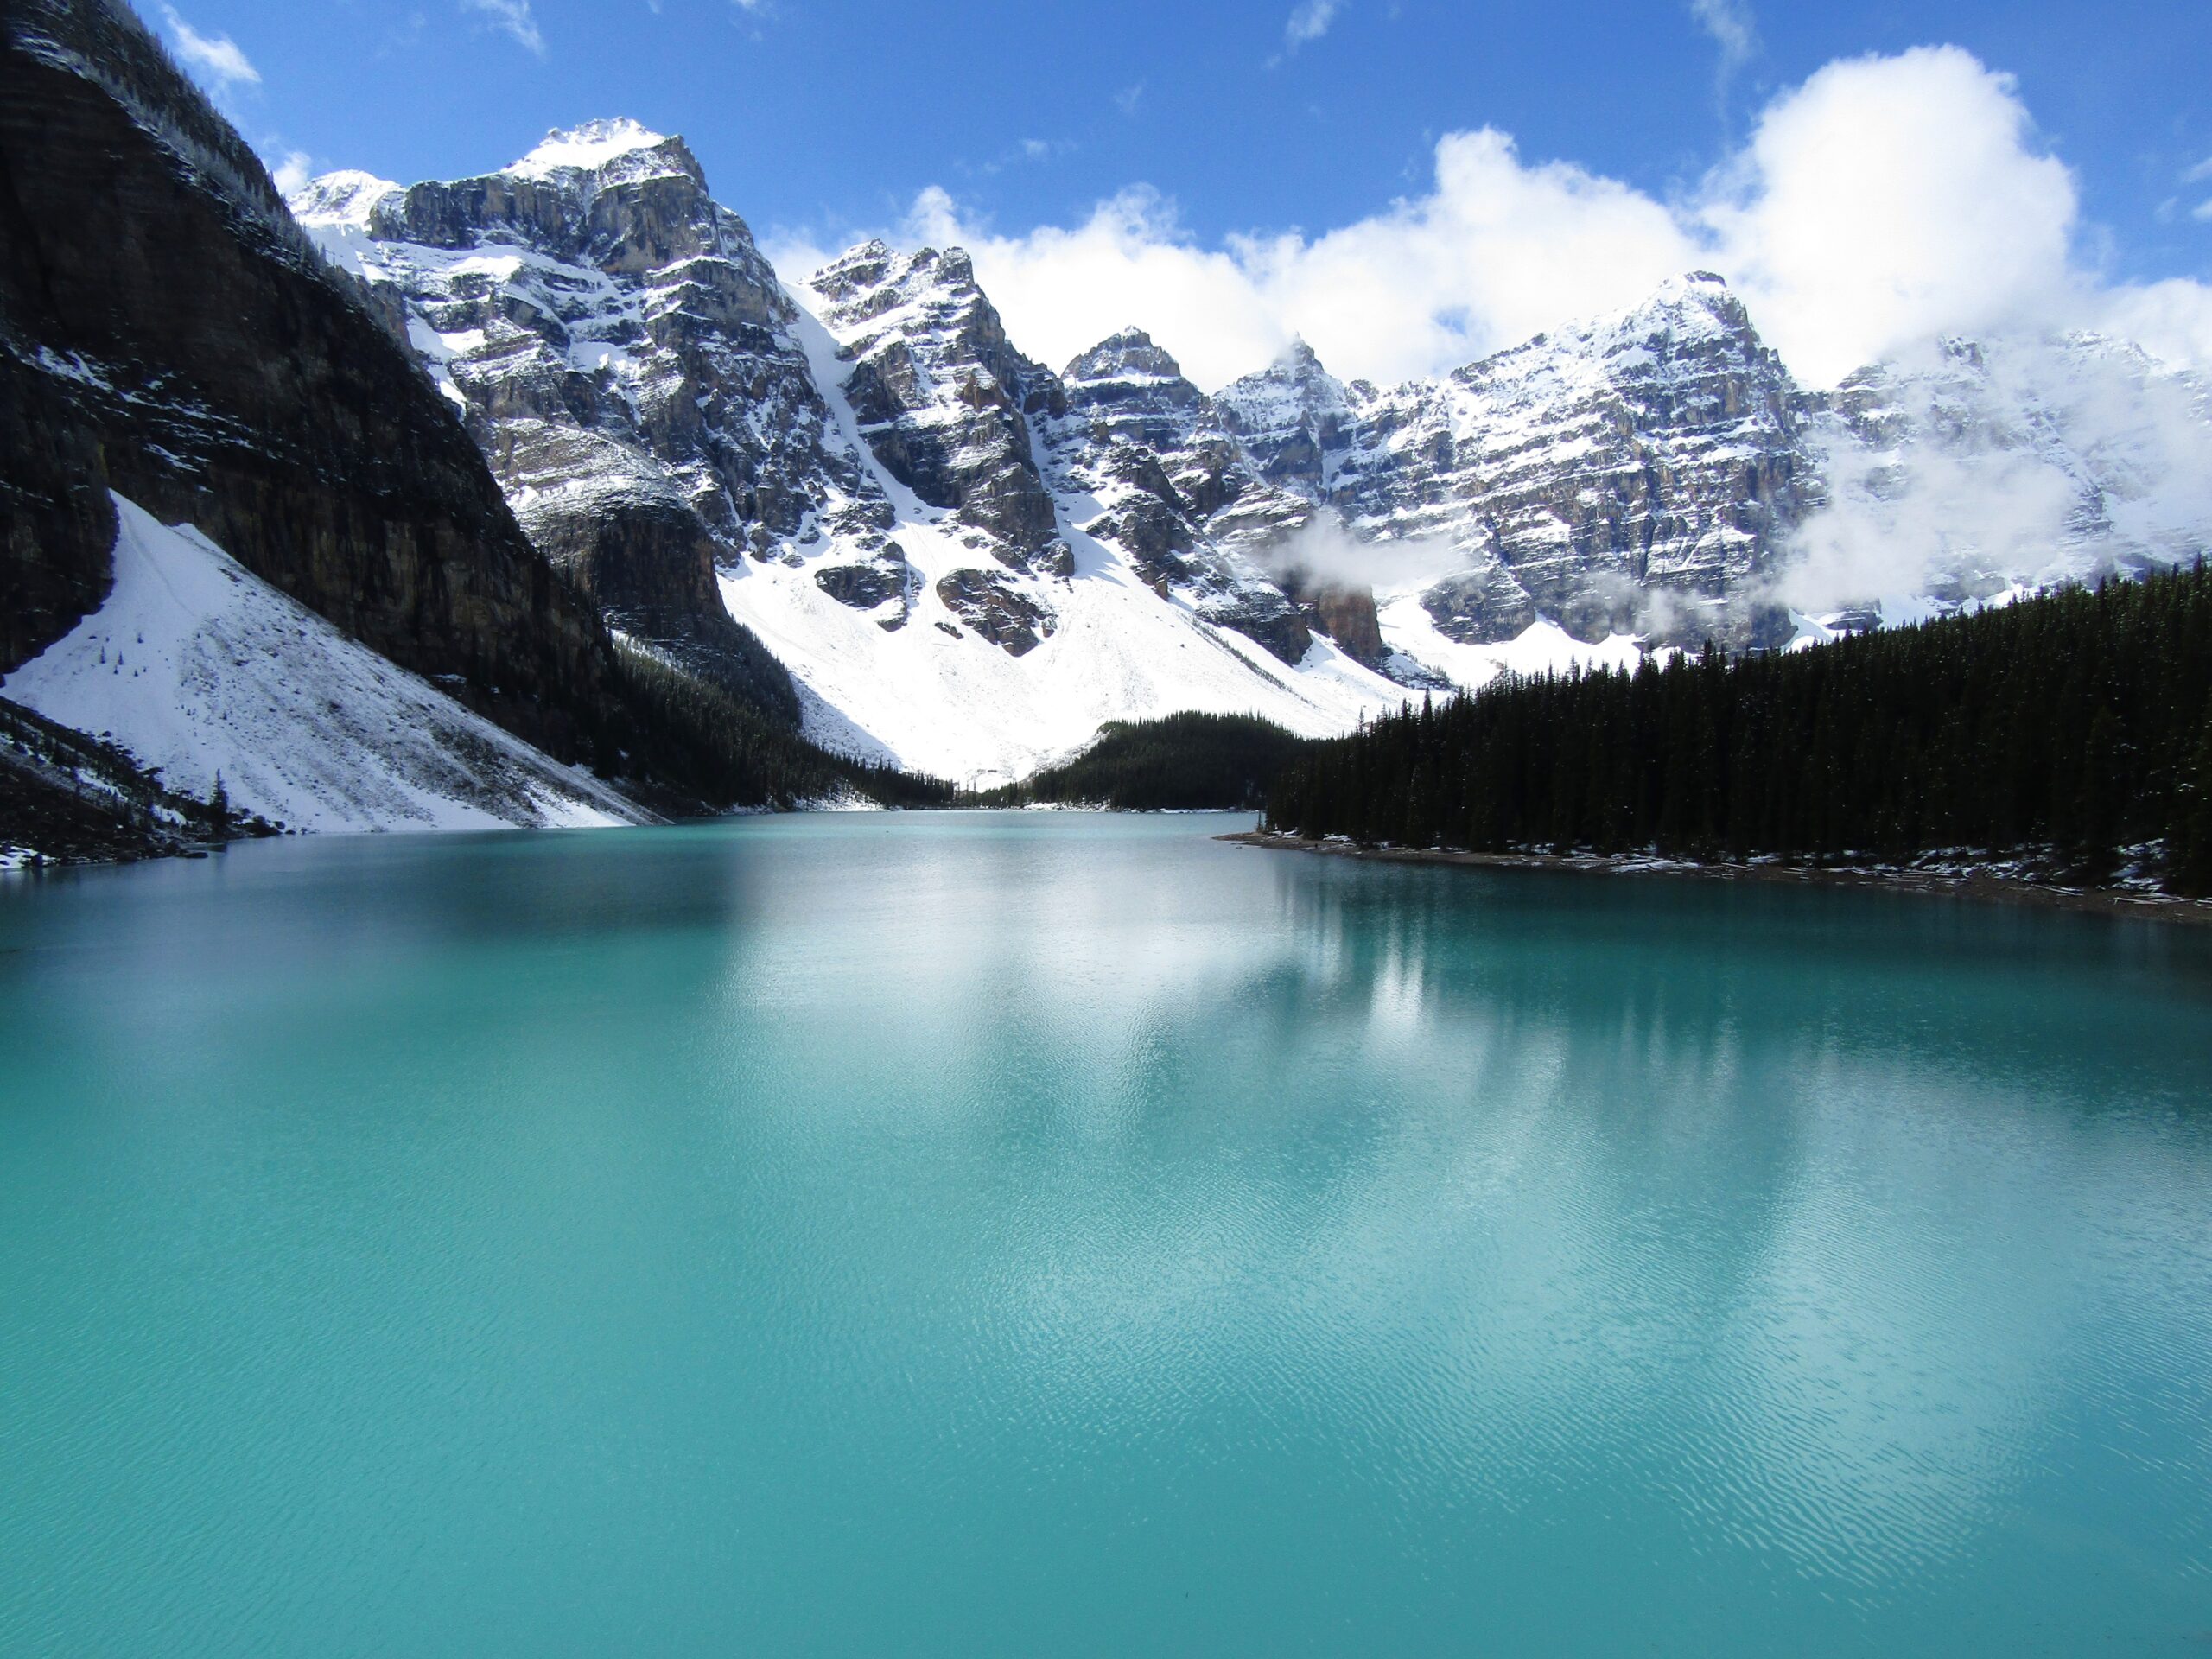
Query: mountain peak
x=875, y=263
x=1127, y=353
x=587, y=147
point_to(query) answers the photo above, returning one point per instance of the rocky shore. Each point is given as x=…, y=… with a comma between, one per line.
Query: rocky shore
x=2004, y=884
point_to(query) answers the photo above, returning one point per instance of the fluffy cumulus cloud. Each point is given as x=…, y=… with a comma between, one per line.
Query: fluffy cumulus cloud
x=216, y=59
x=1889, y=198
x=291, y=171
x=1885, y=200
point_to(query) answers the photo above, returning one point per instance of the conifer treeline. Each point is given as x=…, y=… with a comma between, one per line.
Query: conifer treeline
x=2079, y=722
x=1185, y=762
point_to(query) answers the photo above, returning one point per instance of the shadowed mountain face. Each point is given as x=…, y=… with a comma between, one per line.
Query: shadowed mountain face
x=166, y=332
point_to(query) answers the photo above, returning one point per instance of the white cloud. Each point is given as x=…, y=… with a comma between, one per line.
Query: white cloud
x=1129, y=98
x=216, y=58
x=1729, y=24
x=292, y=173
x=2115, y=444
x=1496, y=251
x=2172, y=320
x=1309, y=22
x=1883, y=201
x=514, y=18
x=1890, y=199
x=1323, y=551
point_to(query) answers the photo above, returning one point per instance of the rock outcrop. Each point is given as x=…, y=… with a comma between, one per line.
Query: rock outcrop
x=1150, y=449
x=1636, y=474
x=1294, y=420
x=943, y=399
x=626, y=360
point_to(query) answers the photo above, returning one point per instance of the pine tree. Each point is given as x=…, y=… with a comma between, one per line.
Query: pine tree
x=2193, y=873
x=2096, y=810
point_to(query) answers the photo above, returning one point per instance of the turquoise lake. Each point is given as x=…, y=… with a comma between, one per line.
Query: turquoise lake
x=1053, y=1235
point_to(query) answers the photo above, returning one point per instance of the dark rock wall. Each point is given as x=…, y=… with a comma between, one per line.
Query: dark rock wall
x=219, y=375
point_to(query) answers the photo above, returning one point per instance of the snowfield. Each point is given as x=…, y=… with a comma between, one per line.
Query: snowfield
x=934, y=698
x=198, y=667
x=959, y=707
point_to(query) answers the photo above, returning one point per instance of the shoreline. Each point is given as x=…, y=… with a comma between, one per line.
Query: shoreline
x=1975, y=884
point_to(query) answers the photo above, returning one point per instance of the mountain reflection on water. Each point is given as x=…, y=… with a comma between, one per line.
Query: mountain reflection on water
x=1068, y=1233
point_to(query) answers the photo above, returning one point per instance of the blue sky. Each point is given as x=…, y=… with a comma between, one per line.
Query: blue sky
x=818, y=118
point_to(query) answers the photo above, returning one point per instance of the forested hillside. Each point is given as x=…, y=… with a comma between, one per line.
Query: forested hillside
x=2069, y=727
x=1186, y=762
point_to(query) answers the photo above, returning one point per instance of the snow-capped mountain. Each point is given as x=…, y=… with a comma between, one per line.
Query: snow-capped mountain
x=966, y=561
x=1636, y=475
x=245, y=531
x=1001, y=612
x=623, y=355
x=171, y=341
x=1980, y=468
x=916, y=520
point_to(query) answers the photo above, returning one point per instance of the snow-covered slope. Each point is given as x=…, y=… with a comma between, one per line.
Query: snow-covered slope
x=199, y=669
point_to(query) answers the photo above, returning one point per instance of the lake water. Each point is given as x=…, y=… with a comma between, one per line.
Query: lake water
x=1062, y=1234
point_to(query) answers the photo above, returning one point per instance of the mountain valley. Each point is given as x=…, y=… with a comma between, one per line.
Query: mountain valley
x=559, y=444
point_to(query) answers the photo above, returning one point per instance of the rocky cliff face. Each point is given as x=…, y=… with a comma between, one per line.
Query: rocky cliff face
x=1634, y=474
x=166, y=332
x=1294, y=420
x=942, y=399
x=624, y=356
x=1150, y=450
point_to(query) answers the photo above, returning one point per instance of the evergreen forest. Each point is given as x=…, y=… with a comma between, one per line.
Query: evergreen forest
x=2073, y=729
x=1185, y=762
